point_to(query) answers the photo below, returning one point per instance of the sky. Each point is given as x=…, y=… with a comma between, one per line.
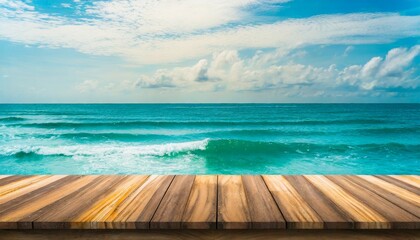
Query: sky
x=187, y=51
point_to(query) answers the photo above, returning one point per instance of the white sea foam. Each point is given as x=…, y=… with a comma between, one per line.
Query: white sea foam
x=108, y=149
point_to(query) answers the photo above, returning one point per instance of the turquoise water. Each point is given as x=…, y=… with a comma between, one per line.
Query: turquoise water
x=210, y=139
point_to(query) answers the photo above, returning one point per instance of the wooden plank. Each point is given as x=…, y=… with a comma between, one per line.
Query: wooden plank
x=16, y=185
x=38, y=199
x=263, y=209
x=15, y=190
x=408, y=206
x=364, y=217
x=98, y=216
x=13, y=178
x=204, y=202
x=233, y=211
x=401, y=184
x=201, y=209
x=62, y=205
x=169, y=213
x=412, y=180
x=136, y=211
x=399, y=218
x=297, y=212
x=332, y=216
x=65, y=213
x=400, y=192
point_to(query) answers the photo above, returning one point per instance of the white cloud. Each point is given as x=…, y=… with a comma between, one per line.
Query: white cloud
x=154, y=32
x=226, y=70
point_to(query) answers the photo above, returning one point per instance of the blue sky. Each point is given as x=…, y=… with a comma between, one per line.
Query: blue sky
x=209, y=51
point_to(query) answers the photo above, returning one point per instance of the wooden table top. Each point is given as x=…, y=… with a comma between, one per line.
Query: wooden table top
x=209, y=202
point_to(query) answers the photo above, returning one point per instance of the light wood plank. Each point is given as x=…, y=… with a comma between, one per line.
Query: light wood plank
x=169, y=213
x=401, y=184
x=233, y=211
x=297, y=212
x=34, y=202
x=136, y=211
x=400, y=192
x=263, y=209
x=201, y=209
x=16, y=185
x=63, y=213
x=332, y=216
x=413, y=180
x=399, y=218
x=409, y=207
x=53, y=216
x=13, y=178
x=363, y=216
x=30, y=185
x=96, y=216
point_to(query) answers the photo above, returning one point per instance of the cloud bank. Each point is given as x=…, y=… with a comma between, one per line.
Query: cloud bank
x=227, y=71
x=156, y=32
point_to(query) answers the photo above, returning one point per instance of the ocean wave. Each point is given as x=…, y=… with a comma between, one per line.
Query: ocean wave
x=103, y=136
x=196, y=123
x=390, y=130
x=12, y=119
x=106, y=149
x=206, y=147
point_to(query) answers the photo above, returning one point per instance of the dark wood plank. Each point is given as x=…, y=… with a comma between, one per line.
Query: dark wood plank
x=399, y=218
x=136, y=211
x=232, y=205
x=332, y=216
x=184, y=234
x=169, y=213
x=201, y=209
x=263, y=209
x=297, y=212
x=363, y=216
x=14, y=178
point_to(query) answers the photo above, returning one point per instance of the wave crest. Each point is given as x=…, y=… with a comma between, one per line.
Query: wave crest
x=105, y=150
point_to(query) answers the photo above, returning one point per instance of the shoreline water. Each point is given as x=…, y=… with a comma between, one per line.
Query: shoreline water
x=210, y=139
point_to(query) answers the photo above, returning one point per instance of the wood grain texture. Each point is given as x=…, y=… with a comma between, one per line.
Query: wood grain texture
x=24, y=205
x=399, y=218
x=400, y=192
x=209, y=202
x=263, y=209
x=297, y=212
x=136, y=211
x=233, y=211
x=332, y=216
x=410, y=179
x=400, y=183
x=363, y=216
x=201, y=209
x=390, y=196
x=170, y=210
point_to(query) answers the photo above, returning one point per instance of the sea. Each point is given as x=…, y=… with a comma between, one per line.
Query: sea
x=209, y=139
